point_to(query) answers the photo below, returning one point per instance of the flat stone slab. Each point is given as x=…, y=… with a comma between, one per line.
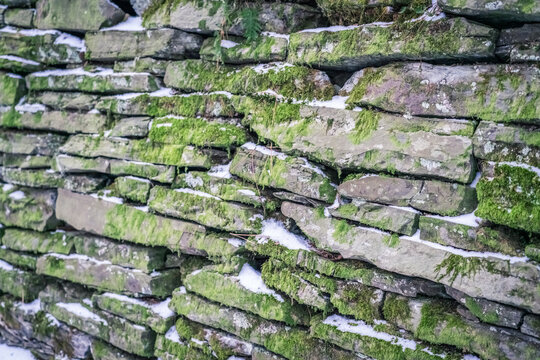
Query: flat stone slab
x=153, y=66
x=124, y=45
x=238, y=51
x=369, y=140
x=136, y=126
x=105, y=276
x=27, y=208
x=21, y=284
x=65, y=100
x=101, y=350
x=38, y=242
x=19, y=65
x=171, y=347
x=102, y=82
x=13, y=142
x=510, y=11
x=492, y=278
x=27, y=161
x=132, y=188
x=19, y=17
x=205, y=209
x=77, y=15
x=519, y=44
x=284, y=79
x=20, y=260
x=453, y=91
x=426, y=195
x=13, y=88
x=270, y=168
x=446, y=39
x=48, y=179
x=141, y=150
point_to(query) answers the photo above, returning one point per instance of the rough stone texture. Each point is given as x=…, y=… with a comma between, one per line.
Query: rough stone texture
x=519, y=44
x=207, y=16
x=531, y=325
x=509, y=11
x=279, y=171
x=131, y=127
x=370, y=140
x=63, y=100
x=19, y=17
x=103, y=351
x=133, y=189
x=237, y=51
x=49, y=179
x=13, y=142
x=77, y=15
x=26, y=161
x=38, y=242
x=18, y=65
x=124, y=45
x=140, y=5
x=152, y=66
x=18, y=283
x=506, y=143
x=432, y=196
x=442, y=40
x=453, y=91
x=13, y=88
x=22, y=261
x=490, y=278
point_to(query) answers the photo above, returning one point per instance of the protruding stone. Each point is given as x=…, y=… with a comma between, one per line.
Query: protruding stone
x=20, y=260
x=495, y=12
x=453, y=91
x=12, y=88
x=447, y=39
x=237, y=51
x=132, y=188
x=290, y=81
x=103, y=351
x=38, y=242
x=125, y=45
x=531, y=325
x=77, y=15
x=27, y=161
x=21, y=284
x=520, y=44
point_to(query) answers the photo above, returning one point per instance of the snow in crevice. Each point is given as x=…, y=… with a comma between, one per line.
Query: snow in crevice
x=197, y=193
x=275, y=230
x=133, y=23
x=251, y=279
x=264, y=150
x=78, y=310
x=220, y=171
x=19, y=60
x=106, y=196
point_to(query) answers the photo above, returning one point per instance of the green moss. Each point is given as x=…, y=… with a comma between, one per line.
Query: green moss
x=485, y=316
x=341, y=230
x=396, y=308
x=455, y=265
x=370, y=77
x=132, y=189
x=392, y=241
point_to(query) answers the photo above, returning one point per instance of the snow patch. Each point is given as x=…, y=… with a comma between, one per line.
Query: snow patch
x=264, y=150
x=220, y=171
x=80, y=311
x=133, y=23
x=197, y=193
x=15, y=353
x=251, y=279
x=227, y=44
x=275, y=230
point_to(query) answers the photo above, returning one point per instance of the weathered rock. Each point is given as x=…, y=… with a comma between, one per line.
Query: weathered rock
x=266, y=167
x=18, y=3
x=48, y=47
x=491, y=278
x=59, y=121
x=65, y=100
x=533, y=252
x=205, y=209
x=13, y=88
x=237, y=51
x=149, y=312
x=20, y=260
x=19, y=17
x=437, y=322
x=72, y=164
x=519, y=44
x=18, y=65
x=125, y=45
x=140, y=5
x=131, y=188
x=350, y=12
x=382, y=217
x=152, y=66
x=123, y=222
x=38, y=242
x=426, y=195
x=474, y=238
x=290, y=81
x=498, y=142
x=368, y=140
x=211, y=105
x=131, y=127
x=453, y=91
x=103, y=351
x=146, y=259
x=197, y=131
x=489, y=311
x=209, y=15
x=27, y=208
x=104, y=276
x=102, y=82
x=238, y=291
x=21, y=284
x=531, y=325
x=441, y=40
x=119, y=332
x=77, y=15
x=141, y=150
x=49, y=179
x=171, y=347
x=27, y=161
x=13, y=142
x=273, y=336
x=510, y=195
x=498, y=12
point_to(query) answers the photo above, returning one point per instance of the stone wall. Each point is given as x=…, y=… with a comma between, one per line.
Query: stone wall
x=199, y=179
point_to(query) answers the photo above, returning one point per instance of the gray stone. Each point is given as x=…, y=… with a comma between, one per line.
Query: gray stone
x=152, y=66
x=21, y=284
x=496, y=142
x=237, y=51
x=19, y=17
x=508, y=11
x=519, y=44
x=65, y=100
x=447, y=39
x=77, y=15
x=140, y=5
x=491, y=278
x=103, y=351
x=276, y=170
x=13, y=142
x=49, y=179
x=453, y=91
x=369, y=140
x=37, y=242
x=27, y=161
x=531, y=325
x=208, y=16
x=125, y=45
x=13, y=88
x=132, y=188
x=426, y=195
x=131, y=127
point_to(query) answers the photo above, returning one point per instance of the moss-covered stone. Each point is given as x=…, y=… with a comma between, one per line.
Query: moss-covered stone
x=171, y=347
x=205, y=209
x=240, y=51
x=65, y=100
x=131, y=188
x=18, y=65
x=370, y=45
x=27, y=161
x=136, y=127
x=145, y=64
x=19, y=17
x=38, y=242
x=13, y=88
x=21, y=260
x=510, y=196
x=290, y=81
x=510, y=11
x=21, y=284
x=104, y=351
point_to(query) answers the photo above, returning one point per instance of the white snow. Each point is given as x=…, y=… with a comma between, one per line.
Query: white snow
x=14, y=76
x=142, y=208
x=361, y=328
x=7, y=187
x=6, y=266
x=79, y=310
x=264, y=150
x=94, y=111
x=31, y=308
x=275, y=66
x=133, y=23
x=52, y=320
x=28, y=32
x=337, y=102
x=196, y=192
x=70, y=40
x=273, y=34
x=310, y=166
x=476, y=179
x=30, y=108
x=275, y=230
x=331, y=28
x=220, y=171
x=521, y=165
x=139, y=179
x=19, y=59
x=162, y=308
x=465, y=219
x=15, y=353
x=105, y=196
x=172, y=335
x=17, y=195
x=246, y=192
x=236, y=242
x=228, y=44
x=252, y=280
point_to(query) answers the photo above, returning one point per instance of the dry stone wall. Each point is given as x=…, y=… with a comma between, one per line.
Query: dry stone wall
x=202, y=179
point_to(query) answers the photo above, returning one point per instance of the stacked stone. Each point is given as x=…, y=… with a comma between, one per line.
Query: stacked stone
x=186, y=179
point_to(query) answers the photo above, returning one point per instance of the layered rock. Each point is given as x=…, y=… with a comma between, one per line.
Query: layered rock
x=494, y=12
